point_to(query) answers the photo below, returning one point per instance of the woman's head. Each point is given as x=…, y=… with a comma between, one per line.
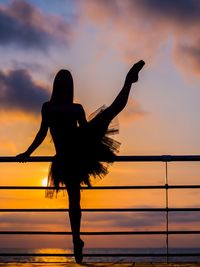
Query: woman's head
x=63, y=87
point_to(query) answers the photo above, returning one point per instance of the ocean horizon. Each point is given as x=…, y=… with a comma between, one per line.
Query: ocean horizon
x=117, y=251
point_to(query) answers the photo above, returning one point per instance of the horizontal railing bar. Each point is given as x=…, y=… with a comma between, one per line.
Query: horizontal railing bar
x=100, y=233
x=104, y=210
x=97, y=255
x=83, y=188
x=104, y=187
x=163, y=158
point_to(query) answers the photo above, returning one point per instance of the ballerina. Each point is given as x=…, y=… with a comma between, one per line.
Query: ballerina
x=76, y=139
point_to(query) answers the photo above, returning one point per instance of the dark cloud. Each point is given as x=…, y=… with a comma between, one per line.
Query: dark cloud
x=25, y=26
x=19, y=91
x=14, y=32
x=23, y=33
x=184, y=217
x=138, y=220
x=143, y=220
x=128, y=220
x=31, y=218
x=188, y=56
x=184, y=11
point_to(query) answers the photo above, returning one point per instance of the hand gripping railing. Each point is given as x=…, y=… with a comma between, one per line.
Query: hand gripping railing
x=166, y=187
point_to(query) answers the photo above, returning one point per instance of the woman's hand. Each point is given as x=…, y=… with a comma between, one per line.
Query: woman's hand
x=132, y=75
x=23, y=157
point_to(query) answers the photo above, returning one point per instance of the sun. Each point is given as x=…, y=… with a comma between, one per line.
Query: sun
x=44, y=181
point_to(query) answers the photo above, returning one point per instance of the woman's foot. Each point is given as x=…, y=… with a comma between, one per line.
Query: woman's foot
x=132, y=75
x=78, y=250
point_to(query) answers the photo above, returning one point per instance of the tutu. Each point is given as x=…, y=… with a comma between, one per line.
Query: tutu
x=90, y=155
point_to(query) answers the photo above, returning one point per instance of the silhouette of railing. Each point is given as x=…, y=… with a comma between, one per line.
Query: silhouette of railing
x=164, y=158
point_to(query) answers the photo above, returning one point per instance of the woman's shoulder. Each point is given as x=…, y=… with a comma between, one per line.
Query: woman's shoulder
x=81, y=111
x=78, y=107
x=49, y=105
x=46, y=106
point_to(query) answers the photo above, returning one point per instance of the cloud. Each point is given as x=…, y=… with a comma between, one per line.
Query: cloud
x=133, y=111
x=121, y=221
x=20, y=92
x=31, y=218
x=184, y=217
x=180, y=11
x=140, y=28
x=188, y=58
x=135, y=220
x=180, y=20
x=7, y=145
x=25, y=26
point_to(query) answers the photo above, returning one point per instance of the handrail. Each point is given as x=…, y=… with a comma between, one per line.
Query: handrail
x=146, y=158
x=105, y=210
x=176, y=232
x=104, y=187
x=166, y=187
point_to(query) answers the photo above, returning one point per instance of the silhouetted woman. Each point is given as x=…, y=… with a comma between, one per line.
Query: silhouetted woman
x=80, y=145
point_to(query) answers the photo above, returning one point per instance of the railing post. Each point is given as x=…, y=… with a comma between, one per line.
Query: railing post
x=167, y=211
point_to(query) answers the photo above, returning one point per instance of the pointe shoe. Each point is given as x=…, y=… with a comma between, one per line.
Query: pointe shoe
x=132, y=75
x=78, y=251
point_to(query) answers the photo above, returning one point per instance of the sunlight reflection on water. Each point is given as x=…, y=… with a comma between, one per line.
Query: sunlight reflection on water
x=53, y=259
x=30, y=261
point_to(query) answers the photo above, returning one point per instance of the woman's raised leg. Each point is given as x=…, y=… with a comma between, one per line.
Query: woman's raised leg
x=121, y=100
x=106, y=116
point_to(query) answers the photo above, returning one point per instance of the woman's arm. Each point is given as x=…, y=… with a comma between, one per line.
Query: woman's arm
x=82, y=118
x=39, y=137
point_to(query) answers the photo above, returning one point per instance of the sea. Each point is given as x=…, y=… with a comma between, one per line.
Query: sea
x=149, y=252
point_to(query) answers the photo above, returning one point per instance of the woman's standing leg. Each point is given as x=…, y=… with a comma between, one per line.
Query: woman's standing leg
x=74, y=195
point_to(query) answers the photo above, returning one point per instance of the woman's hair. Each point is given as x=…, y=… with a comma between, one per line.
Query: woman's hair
x=63, y=87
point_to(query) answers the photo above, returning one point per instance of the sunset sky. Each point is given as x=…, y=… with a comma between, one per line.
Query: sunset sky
x=98, y=41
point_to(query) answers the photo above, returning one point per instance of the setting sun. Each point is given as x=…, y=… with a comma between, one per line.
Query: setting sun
x=44, y=181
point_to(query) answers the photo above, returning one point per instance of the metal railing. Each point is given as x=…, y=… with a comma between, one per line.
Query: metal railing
x=165, y=159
